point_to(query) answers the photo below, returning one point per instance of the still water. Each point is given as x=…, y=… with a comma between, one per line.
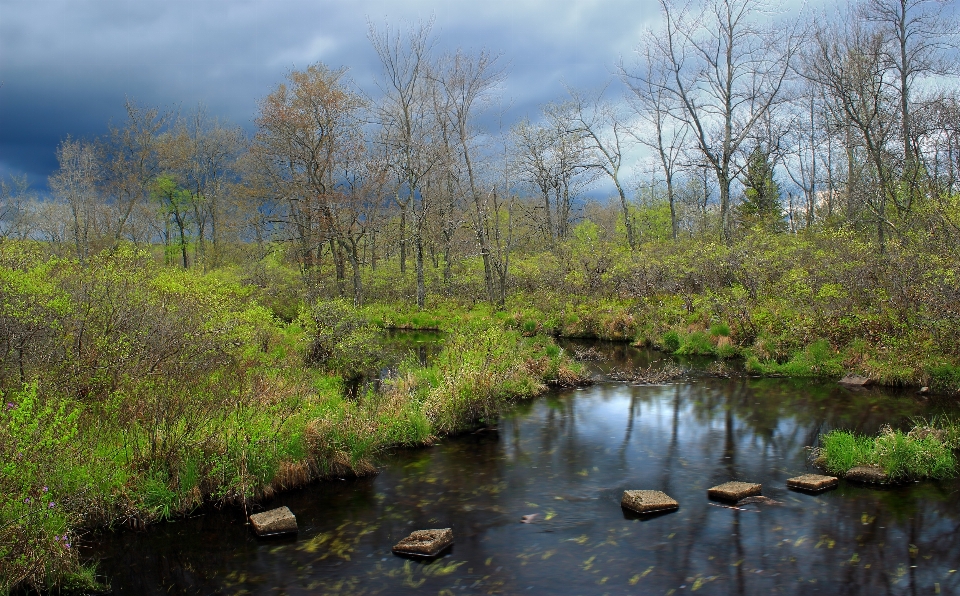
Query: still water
x=567, y=457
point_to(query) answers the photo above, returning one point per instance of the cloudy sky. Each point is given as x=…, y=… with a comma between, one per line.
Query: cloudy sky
x=67, y=66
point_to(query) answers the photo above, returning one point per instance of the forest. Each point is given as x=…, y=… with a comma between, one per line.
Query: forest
x=180, y=315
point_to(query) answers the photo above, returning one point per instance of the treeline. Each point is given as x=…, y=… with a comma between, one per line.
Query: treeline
x=729, y=120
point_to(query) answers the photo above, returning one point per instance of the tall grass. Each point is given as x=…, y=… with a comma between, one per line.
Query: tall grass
x=919, y=454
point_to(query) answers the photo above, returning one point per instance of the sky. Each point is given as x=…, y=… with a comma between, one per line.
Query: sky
x=67, y=66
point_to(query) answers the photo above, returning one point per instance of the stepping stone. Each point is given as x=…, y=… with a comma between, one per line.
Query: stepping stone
x=424, y=543
x=276, y=521
x=813, y=482
x=868, y=474
x=734, y=491
x=647, y=501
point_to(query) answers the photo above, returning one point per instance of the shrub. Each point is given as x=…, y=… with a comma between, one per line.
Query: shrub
x=341, y=338
x=720, y=330
x=696, y=344
x=37, y=451
x=670, y=341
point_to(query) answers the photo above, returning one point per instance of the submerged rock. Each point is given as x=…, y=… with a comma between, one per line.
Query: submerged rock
x=868, y=474
x=853, y=380
x=647, y=501
x=734, y=491
x=761, y=500
x=813, y=482
x=276, y=521
x=425, y=543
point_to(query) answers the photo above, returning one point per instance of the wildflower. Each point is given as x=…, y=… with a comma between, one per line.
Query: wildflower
x=56, y=539
x=50, y=506
x=27, y=500
x=66, y=544
x=44, y=489
x=10, y=405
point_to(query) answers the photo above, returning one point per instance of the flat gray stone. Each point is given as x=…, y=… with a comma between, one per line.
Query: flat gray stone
x=868, y=474
x=855, y=380
x=813, y=482
x=425, y=543
x=734, y=491
x=276, y=521
x=647, y=501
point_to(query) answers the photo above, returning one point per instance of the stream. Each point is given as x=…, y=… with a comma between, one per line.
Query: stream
x=565, y=459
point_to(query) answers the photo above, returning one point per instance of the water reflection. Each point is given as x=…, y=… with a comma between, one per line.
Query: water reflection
x=396, y=345
x=567, y=458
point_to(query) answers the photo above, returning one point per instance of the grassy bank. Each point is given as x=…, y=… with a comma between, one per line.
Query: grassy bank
x=926, y=451
x=138, y=393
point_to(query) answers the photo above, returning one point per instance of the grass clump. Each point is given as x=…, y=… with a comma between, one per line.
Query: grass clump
x=818, y=359
x=919, y=454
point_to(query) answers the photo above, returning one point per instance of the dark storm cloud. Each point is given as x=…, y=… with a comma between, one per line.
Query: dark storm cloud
x=68, y=65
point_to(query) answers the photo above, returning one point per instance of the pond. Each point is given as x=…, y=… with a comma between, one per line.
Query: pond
x=565, y=460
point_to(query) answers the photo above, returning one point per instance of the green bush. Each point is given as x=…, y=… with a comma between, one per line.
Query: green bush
x=720, y=330
x=670, y=341
x=945, y=377
x=696, y=344
x=341, y=339
x=38, y=457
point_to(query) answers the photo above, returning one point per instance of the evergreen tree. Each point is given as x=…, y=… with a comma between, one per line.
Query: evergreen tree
x=761, y=195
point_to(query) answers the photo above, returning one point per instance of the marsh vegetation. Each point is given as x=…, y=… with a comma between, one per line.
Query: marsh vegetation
x=191, y=316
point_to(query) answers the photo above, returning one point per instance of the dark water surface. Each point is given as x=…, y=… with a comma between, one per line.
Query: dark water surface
x=567, y=457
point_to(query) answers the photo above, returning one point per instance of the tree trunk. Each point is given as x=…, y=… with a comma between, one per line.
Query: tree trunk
x=631, y=241
x=352, y=254
x=724, y=183
x=421, y=286
x=403, y=239
x=673, y=208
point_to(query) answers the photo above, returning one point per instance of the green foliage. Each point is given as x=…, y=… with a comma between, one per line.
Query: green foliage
x=37, y=450
x=696, y=344
x=670, y=341
x=720, y=330
x=903, y=456
x=177, y=386
x=158, y=499
x=761, y=200
x=818, y=359
x=341, y=338
x=945, y=377
x=842, y=450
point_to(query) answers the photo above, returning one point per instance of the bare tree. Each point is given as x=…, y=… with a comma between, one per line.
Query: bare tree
x=131, y=162
x=307, y=144
x=408, y=128
x=916, y=34
x=848, y=64
x=726, y=72
x=18, y=208
x=465, y=81
x=554, y=159
x=605, y=133
x=658, y=109
x=75, y=183
x=206, y=157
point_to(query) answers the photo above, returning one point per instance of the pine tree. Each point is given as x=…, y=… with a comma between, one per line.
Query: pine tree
x=761, y=195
